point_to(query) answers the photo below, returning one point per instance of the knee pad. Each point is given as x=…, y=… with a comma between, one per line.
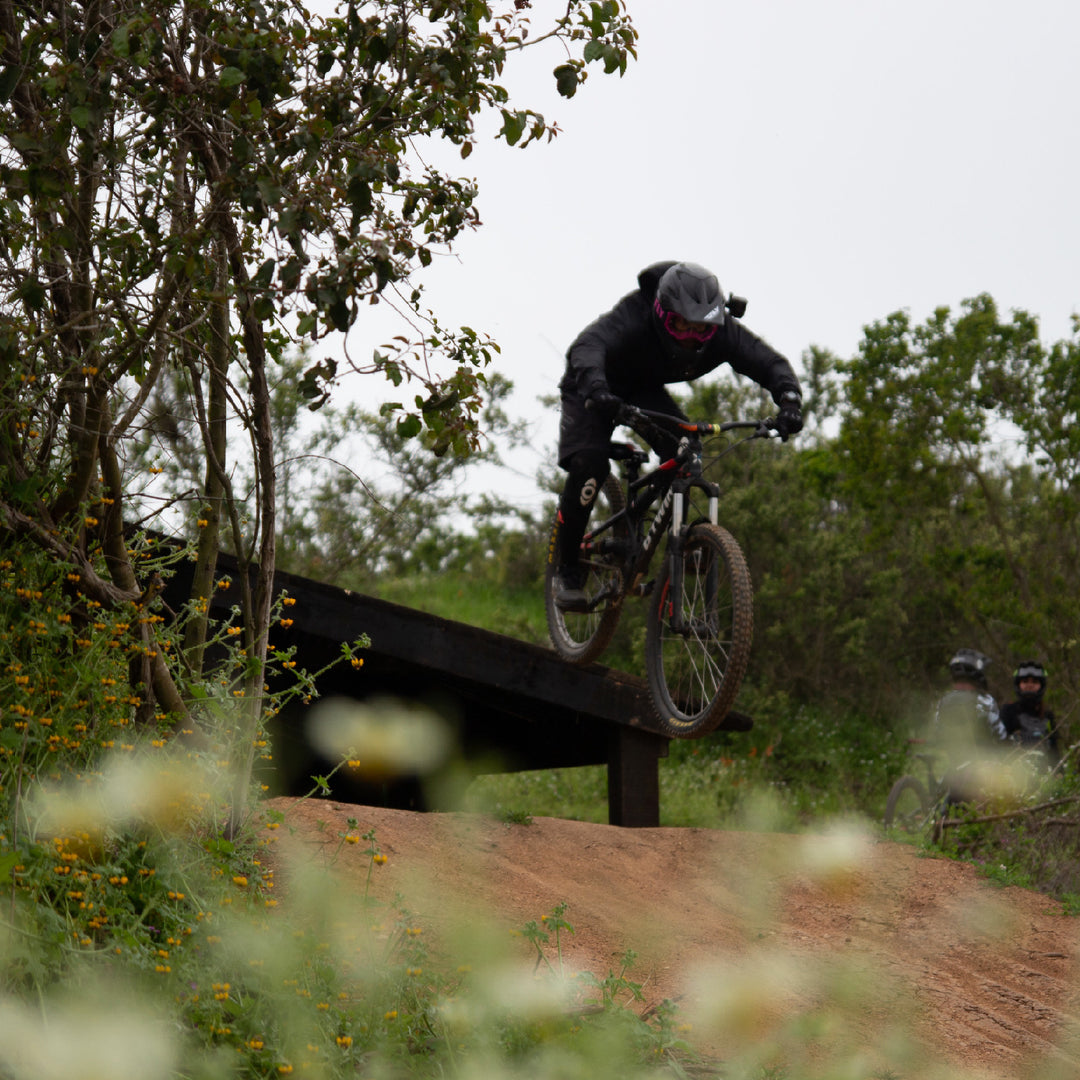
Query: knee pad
x=587, y=470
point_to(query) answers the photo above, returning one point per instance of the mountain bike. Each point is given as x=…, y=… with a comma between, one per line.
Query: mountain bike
x=700, y=622
x=914, y=805
x=931, y=806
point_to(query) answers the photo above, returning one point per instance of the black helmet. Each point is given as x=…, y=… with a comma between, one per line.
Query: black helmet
x=1030, y=669
x=692, y=293
x=969, y=665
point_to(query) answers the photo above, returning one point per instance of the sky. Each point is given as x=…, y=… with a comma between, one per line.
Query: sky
x=833, y=162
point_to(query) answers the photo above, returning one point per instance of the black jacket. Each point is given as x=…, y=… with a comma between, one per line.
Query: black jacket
x=1030, y=724
x=622, y=351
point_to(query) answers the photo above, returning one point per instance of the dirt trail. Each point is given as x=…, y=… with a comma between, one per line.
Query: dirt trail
x=985, y=977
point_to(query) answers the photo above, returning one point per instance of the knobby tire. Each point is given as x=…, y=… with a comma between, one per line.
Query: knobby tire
x=695, y=674
x=580, y=637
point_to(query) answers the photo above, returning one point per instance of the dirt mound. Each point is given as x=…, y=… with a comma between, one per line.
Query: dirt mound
x=747, y=930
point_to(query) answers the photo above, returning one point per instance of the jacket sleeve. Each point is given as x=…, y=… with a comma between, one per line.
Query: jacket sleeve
x=587, y=356
x=750, y=356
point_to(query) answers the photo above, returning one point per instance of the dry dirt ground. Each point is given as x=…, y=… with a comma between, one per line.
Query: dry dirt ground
x=748, y=931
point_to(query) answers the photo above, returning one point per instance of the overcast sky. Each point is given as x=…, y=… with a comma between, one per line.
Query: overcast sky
x=833, y=162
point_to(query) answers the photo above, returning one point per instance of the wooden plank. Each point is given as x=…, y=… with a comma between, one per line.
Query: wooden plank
x=467, y=653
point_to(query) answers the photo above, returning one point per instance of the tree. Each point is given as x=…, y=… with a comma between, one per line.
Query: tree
x=186, y=188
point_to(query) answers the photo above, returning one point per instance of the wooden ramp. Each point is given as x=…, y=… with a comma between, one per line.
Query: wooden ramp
x=514, y=705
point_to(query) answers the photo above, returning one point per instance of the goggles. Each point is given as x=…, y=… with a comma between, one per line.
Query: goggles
x=681, y=329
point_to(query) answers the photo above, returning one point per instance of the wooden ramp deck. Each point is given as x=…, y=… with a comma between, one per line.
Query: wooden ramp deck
x=514, y=705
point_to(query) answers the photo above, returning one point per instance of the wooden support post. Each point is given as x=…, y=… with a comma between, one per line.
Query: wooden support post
x=633, y=777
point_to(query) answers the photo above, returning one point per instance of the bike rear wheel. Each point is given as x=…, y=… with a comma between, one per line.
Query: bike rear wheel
x=695, y=672
x=581, y=637
x=907, y=809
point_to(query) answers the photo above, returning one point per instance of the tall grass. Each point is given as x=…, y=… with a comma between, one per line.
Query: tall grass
x=814, y=767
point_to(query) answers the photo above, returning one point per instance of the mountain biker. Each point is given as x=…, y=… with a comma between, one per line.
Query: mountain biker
x=1027, y=720
x=674, y=327
x=967, y=723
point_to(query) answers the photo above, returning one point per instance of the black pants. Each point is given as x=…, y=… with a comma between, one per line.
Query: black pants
x=584, y=437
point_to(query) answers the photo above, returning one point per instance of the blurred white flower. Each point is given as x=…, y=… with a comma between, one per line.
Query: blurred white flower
x=746, y=1005
x=837, y=860
x=116, y=1041
x=381, y=737
x=142, y=789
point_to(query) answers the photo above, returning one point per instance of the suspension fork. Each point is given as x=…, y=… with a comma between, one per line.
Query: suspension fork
x=675, y=547
x=677, y=532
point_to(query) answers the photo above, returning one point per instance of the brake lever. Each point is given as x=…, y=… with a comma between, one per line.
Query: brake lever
x=769, y=429
x=630, y=415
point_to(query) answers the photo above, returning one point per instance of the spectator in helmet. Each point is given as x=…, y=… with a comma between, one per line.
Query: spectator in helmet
x=674, y=327
x=1028, y=720
x=967, y=724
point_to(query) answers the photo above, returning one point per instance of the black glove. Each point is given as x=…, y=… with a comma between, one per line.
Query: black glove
x=789, y=418
x=604, y=402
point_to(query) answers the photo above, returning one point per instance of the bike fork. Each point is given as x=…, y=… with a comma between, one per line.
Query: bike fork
x=674, y=554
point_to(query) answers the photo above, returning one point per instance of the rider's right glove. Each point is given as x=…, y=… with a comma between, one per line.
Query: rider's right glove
x=604, y=402
x=789, y=418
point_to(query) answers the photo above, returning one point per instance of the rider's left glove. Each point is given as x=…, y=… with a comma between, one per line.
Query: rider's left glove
x=789, y=418
x=604, y=402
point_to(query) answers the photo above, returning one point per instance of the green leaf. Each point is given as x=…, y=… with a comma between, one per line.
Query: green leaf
x=9, y=79
x=566, y=80
x=231, y=76
x=408, y=427
x=264, y=275
x=32, y=293
x=339, y=315
x=80, y=116
x=270, y=192
x=359, y=196
x=393, y=373
x=594, y=50
x=513, y=126
x=120, y=42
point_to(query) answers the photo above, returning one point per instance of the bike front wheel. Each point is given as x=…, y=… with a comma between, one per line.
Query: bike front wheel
x=908, y=805
x=697, y=656
x=581, y=637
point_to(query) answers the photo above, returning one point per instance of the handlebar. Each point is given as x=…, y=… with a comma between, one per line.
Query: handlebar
x=629, y=414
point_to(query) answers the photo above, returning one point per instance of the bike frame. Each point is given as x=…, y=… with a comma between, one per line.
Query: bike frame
x=671, y=482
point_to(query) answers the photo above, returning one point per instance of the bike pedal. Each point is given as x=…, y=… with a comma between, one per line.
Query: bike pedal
x=645, y=588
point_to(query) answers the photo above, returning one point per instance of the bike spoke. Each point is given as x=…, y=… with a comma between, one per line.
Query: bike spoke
x=696, y=670
x=581, y=636
x=697, y=658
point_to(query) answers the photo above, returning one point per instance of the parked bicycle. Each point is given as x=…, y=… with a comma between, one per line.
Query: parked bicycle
x=700, y=623
x=914, y=804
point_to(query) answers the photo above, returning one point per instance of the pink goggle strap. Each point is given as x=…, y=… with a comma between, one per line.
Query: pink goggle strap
x=699, y=337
